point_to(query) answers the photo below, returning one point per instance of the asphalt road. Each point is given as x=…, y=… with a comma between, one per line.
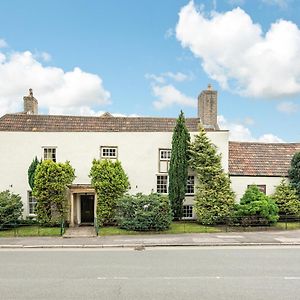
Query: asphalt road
x=155, y=273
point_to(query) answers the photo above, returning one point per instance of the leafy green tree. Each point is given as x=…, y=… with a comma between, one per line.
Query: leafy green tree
x=31, y=172
x=214, y=201
x=256, y=208
x=11, y=207
x=50, y=187
x=286, y=198
x=144, y=212
x=110, y=183
x=178, y=171
x=294, y=172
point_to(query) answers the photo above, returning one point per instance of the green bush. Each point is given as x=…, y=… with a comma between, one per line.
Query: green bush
x=144, y=212
x=286, y=198
x=110, y=182
x=256, y=208
x=11, y=207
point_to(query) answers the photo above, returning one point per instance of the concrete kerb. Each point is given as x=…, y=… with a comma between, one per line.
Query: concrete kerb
x=141, y=246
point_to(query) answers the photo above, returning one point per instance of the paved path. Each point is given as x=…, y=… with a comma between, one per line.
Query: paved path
x=291, y=237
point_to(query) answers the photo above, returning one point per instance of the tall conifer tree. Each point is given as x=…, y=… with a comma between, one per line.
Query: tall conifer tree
x=294, y=172
x=178, y=171
x=214, y=199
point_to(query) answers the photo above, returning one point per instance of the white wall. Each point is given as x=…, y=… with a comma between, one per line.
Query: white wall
x=138, y=152
x=239, y=184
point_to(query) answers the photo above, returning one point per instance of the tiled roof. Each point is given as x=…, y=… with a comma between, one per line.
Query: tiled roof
x=261, y=159
x=53, y=123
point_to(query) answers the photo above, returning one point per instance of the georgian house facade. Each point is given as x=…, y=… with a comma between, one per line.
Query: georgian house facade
x=142, y=144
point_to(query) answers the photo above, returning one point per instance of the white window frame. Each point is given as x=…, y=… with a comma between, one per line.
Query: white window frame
x=46, y=150
x=190, y=185
x=108, y=149
x=161, y=184
x=31, y=202
x=188, y=208
x=167, y=155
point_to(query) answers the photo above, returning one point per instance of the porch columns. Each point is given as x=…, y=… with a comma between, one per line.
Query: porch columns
x=72, y=210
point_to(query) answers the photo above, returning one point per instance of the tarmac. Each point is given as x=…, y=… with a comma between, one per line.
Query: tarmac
x=261, y=238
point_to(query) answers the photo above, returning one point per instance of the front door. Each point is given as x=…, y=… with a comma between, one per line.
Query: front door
x=87, y=208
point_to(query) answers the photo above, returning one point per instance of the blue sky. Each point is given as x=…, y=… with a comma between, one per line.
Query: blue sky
x=153, y=58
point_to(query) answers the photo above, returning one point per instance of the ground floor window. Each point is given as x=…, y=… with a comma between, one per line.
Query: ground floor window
x=31, y=203
x=162, y=184
x=261, y=187
x=187, y=211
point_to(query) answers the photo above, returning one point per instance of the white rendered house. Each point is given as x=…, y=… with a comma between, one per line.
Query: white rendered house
x=142, y=144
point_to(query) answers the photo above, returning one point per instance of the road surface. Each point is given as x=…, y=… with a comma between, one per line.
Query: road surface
x=155, y=273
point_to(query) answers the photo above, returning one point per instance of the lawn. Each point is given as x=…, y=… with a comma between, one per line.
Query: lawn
x=176, y=227
x=289, y=225
x=30, y=231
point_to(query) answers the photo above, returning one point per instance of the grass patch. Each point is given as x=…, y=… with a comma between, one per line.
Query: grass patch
x=30, y=231
x=288, y=225
x=175, y=228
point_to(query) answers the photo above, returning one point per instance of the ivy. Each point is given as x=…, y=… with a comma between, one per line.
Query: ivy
x=50, y=187
x=110, y=183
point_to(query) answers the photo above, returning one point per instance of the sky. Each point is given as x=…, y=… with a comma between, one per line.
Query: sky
x=153, y=58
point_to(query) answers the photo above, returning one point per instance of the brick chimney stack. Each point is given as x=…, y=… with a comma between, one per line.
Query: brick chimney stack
x=30, y=104
x=208, y=108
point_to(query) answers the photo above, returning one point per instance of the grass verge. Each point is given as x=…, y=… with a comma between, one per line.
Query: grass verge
x=30, y=231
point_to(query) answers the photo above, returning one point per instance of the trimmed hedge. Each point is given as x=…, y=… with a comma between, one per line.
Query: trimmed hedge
x=144, y=212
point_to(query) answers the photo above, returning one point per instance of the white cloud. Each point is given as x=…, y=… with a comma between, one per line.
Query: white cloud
x=176, y=76
x=58, y=91
x=46, y=56
x=156, y=78
x=3, y=43
x=287, y=107
x=168, y=95
x=248, y=121
x=235, y=52
x=239, y=132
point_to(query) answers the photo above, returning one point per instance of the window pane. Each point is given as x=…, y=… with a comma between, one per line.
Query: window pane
x=162, y=184
x=187, y=211
x=190, y=188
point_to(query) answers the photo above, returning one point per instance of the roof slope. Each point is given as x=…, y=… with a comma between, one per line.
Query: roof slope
x=53, y=123
x=261, y=159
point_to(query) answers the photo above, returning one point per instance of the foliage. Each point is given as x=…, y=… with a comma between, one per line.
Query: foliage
x=50, y=186
x=31, y=172
x=144, y=212
x=256, y=208
x=286, y=198
x=294, y=172
x=11, y=207
x=110, y=183
x=214, y=201
x=178, y=172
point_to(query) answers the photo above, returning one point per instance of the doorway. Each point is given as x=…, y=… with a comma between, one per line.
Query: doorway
x=87, y=209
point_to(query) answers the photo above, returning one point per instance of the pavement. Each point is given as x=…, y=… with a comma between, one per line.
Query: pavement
x=288, y=237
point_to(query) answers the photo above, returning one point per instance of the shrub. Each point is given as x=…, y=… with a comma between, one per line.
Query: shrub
x=110, y=183
x=256, y=208
x=144, y=212
x=50, y=185
x=11, y=208
x=286, y=198
x=214, y=201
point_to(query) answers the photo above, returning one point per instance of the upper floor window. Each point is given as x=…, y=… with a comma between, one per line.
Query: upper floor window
x=49, y=153
x=164, y=160
x=190, y=186
x=109, y=152
x=164, y=154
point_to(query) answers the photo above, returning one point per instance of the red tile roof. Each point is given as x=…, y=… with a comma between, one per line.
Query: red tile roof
x=261, y=159
x=53, y=123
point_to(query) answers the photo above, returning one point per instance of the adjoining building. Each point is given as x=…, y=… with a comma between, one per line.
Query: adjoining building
x=142, y=144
